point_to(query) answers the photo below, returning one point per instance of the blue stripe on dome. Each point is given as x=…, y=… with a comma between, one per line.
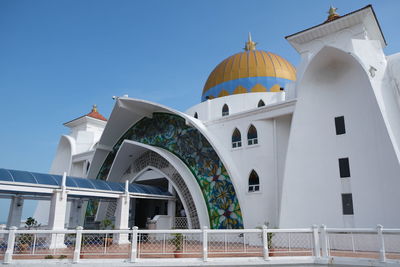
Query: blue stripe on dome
x=247, y=83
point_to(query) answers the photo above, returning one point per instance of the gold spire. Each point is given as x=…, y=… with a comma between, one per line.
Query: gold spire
x=94, y=109
x=332, y=14
x=250, y=45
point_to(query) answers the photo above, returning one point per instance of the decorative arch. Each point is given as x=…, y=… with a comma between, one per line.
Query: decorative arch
x=236, y=138
x=225, y=110
x=152, y=160
x=170, y=132
x=252, y=136
x=260, y=103
x=254, y=182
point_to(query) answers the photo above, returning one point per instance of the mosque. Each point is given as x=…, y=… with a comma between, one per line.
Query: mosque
x=268, y=143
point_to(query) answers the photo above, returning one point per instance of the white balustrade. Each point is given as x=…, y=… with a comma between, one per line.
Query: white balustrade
x=317, y=244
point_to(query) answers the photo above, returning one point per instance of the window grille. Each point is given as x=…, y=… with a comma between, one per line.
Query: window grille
x=254, y=182
x=252, y=138
x=236, y=139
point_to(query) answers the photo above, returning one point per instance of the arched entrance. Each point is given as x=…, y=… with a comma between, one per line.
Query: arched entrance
x=151, y=159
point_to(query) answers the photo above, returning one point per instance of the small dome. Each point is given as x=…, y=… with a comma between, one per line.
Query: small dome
x=247, y=72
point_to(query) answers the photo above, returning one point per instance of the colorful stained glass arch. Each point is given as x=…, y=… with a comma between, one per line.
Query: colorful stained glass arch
x=170, y=132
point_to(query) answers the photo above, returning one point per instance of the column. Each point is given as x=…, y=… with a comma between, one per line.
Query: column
x=58, y=208
x=75, y=214
x=171, y=205
x=122, y=216
x=132, y=215
x=15, y=212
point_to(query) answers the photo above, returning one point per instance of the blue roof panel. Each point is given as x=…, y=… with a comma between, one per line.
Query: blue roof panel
x=45, y=179
x=82, y=183
x=101, y=185
x=22, y=177
x=7, y=175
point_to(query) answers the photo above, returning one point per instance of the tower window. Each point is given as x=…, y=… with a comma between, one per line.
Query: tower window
x=260, y=103
x=347, y=204
x=252, y=136
x=87, y=167
x=254, y=182
x=236, y=138
x=225, y=110
x=344, y=167
x=340, y=126
x=196, y=115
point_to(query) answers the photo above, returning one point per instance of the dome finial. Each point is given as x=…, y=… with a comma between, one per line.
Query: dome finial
x=332, y=14
x=250, y=45
x=94, y=108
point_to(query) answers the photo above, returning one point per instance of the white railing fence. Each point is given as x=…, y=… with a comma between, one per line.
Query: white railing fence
x=315, y=243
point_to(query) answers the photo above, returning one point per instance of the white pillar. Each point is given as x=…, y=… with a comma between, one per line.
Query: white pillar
x=75, y=214
x=171, y=205
x=15, y=212
x=58, y=208
x=132, y=207
x=122, y=216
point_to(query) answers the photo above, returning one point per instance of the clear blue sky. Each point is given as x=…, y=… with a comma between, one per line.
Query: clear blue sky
x=57, y=58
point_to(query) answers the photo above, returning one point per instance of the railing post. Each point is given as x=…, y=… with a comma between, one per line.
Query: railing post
x=324, y=242
x=205, y=243
x=265, y=242
x=381, y=240
x=78, y=243
x=317, y=251
x=10, y=245
x=134, y=244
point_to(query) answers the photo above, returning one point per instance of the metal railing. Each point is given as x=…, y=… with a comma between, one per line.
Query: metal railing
x=316, y=244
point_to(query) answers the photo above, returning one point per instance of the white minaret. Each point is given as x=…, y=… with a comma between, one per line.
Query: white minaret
x=74, y=153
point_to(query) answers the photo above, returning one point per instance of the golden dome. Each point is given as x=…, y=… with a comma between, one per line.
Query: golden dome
x=249, y=71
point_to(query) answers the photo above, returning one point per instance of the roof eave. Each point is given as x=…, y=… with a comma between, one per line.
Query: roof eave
x=291, y=37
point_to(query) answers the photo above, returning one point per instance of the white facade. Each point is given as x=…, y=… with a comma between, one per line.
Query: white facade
x=343, y=72
x=74, y=153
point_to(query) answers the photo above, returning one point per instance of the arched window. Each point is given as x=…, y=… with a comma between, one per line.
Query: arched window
x=87, y=167
x=225, y=110
x=236, y=139
x=254, y=182
x=196, y=115
x=260, y=103
x=252, y=136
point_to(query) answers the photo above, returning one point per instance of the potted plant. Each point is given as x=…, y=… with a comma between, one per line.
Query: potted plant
x=25, y=240
x=107, y=224
x=177, y=241
x=271, y=251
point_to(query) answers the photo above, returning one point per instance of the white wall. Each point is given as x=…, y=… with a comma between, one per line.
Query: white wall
x=265, y=158
x=212, y=109
x=335, y=84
